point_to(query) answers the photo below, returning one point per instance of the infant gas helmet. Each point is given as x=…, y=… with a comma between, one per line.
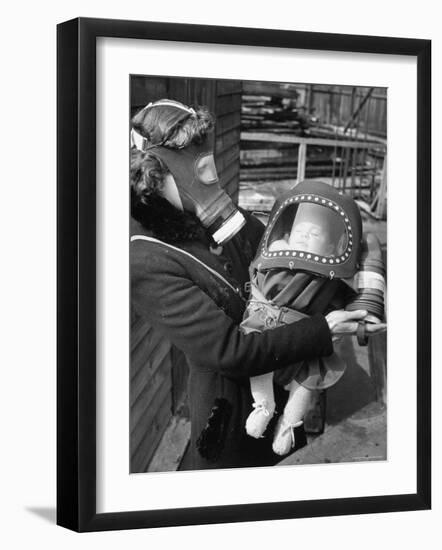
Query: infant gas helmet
x=315, y=229
x=193, y=170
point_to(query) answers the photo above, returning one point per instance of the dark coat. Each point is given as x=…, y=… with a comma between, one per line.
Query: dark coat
x=200, y=315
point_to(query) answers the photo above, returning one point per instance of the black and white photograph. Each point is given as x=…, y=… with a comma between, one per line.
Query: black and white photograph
x=258, y=284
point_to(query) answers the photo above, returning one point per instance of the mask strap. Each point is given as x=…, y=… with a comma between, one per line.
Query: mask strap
x=166, y=103
x=137, y=140
x=140, y=142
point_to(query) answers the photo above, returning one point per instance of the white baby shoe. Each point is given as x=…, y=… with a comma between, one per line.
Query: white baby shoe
x=258, y=419
x=284, y=439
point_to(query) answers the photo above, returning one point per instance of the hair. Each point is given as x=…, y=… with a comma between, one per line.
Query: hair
x=147, y=173
x=172, y=125
x=169, y=126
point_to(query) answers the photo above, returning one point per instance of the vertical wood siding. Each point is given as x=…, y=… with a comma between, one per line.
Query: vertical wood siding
x=228, y=128
x=336, y=104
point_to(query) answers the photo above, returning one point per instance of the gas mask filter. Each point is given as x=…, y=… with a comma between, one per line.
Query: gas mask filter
x=369, y=281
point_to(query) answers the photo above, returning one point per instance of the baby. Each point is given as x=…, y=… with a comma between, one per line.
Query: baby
x=308, y=236
x=312, y=243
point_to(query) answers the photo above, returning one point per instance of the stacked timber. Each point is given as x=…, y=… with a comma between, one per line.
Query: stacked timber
x=274, y=122
x=272, y=114
x=270, y=167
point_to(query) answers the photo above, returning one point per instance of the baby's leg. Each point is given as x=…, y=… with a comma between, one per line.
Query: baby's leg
x=292, y=417
x=263, y=406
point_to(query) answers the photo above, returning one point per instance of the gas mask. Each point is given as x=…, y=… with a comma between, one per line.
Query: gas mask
x=315, y=229
x=194, y=172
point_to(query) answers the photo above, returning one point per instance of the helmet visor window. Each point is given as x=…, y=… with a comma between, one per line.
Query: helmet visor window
x=310, y=228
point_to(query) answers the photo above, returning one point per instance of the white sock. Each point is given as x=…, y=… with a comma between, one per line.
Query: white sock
x=297, y=403
x=264, y=405
x=293, y=416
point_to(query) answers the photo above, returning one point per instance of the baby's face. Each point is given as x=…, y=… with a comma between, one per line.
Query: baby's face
x=310, y=237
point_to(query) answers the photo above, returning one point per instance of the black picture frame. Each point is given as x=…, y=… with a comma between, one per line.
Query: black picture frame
x=76, y=272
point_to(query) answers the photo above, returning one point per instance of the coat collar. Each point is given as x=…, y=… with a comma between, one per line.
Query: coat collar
x=158, y=218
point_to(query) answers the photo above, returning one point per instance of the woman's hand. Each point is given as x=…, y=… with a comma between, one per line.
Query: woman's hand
x=343, y=322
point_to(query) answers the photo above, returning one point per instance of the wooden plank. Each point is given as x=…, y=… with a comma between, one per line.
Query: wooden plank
x=233, y=128
x=144, y=89
x=227, y=140
x=273, y=89
x=377, y=356
x=231, y=158
x=288, y=138
x=232, y=188
x=141, y=456
x=144, y=422
x=227, y=157
x=152, y=403
x=138, y=331
x=228, y=104
x=230, y=172
x=269, y=172
x=144, y=375
x=159, y=426
x=379, y=93
x=255, y=203
x=227, y=87
x=204, y=92
x=148, y=395
x=268, y=162
x=145, y=349
x=225, y=123
x=333, y=131
x=302, y=156
x=258, y=156
x=172, y=446
x=230, y=181
x=258, y=176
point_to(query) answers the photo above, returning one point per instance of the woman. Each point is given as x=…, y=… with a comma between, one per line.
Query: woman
x=190, y=253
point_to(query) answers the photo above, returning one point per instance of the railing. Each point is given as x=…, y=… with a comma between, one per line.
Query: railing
x=357, y=164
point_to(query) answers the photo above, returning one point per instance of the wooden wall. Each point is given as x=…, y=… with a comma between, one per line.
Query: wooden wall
x=150, y=392
x=228, y=128
x=335, y=105
x=331, y=104
x=159, y=371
